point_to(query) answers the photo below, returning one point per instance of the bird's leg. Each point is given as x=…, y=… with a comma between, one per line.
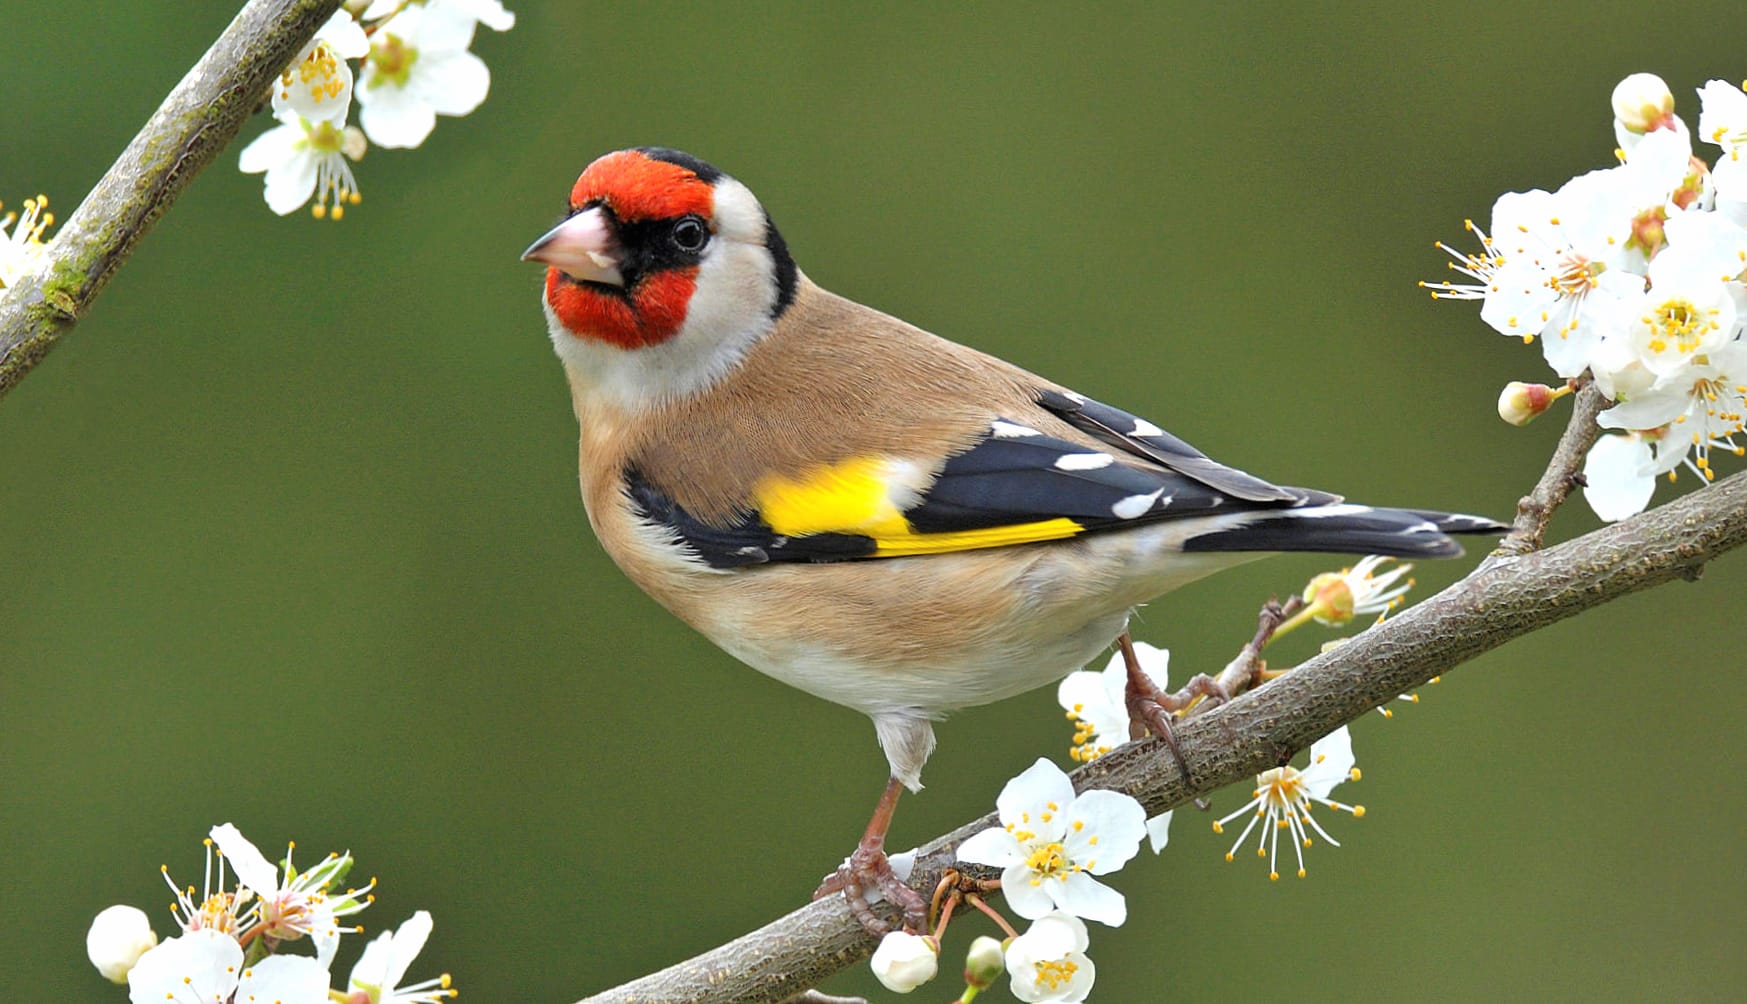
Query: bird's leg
x=1150, y=709
x=869, y=867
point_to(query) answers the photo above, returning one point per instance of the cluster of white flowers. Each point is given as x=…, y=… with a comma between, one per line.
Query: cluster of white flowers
x=1052, y=844
x=1633, y=274
x=21, y=241
x=231, y=942
x=414, y=65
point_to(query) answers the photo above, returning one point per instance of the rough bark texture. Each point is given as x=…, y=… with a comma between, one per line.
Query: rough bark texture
x=1509, y=597
x=199, y=118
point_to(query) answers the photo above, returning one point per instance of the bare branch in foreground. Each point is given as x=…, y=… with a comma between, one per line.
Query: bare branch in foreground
x=1510, y=596
x=199, y=118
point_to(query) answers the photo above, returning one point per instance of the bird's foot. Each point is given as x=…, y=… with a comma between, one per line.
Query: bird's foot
x=870, y=870
x=1152, y=710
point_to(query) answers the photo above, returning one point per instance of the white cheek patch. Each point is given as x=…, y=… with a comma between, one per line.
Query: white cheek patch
x=738, y=216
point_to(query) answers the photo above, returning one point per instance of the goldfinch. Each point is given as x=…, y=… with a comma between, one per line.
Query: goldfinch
x=858, y=508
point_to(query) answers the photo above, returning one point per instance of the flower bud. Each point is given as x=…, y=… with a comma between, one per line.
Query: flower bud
x=1642, y=103
x=905, y=961
x=118, y=937
x=984, y=963
x=1331, y=599
x=1519, y=403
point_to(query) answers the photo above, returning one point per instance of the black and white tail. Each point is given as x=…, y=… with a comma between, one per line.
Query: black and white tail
x=1350, y=529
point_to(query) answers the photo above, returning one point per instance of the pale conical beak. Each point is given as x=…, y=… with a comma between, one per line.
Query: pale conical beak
x=582, y=247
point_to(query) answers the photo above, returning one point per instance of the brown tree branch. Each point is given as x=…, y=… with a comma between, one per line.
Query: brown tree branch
x=199, y=118
x=1511, y=596
x=1535, y=510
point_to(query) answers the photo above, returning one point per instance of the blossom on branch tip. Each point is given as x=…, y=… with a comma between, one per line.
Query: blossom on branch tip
x=1051, y=842
x=303, y=159
x=1048, y=962
x=904, y=961
x=1284, y=799
x=216, y=910
x=419, y=68
x=1333, y=599
x=300, y=903
x=318, y=84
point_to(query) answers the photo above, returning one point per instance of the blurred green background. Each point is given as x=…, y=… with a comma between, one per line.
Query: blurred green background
x=291, y=533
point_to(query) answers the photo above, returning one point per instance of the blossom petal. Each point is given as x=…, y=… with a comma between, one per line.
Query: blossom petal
x=1026, y=798
x=1331, y=762
x=1115, y=821
x=290, y=183
x=1025, y=892
x=1084, y=896
x=1158, y=830
x=1618, y=477
x=455, y=82
x=251, y=866
x=1080, y=689
x=275, y=146
x=409, y=940
x=203, y=963
x=394, y=117
x=994, y=847
x=372, y=965
x=285, y=979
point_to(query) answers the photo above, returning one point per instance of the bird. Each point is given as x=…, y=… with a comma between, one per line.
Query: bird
x=861, y=509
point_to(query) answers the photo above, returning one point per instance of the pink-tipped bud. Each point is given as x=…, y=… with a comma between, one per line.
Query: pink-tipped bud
x=1519, y=403
x=1643, y=103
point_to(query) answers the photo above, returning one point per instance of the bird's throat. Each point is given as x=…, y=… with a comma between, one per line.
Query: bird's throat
x=649, y=313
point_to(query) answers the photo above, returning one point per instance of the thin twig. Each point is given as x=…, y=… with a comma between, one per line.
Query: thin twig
x=199, y=118
x=1263, y=728
x=1535, y=510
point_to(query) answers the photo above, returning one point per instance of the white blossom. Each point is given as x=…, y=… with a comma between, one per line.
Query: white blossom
x=1284, y=799
x=303, y=159
x=1051, y=842
x=419, y=68
x=904, y=961
x=385, y=961
x=21, y=241
x=1722, y=120
x=1048, y=962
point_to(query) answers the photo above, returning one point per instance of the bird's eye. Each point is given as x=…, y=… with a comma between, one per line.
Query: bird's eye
x=690, y=235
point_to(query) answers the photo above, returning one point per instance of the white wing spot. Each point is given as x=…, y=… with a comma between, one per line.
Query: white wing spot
x=1142, y=427
x=1011, y=430
x=1422, y=528
x=1321, y=511
x=1135, y=506
x=1076, y=398
x=1083, y=461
